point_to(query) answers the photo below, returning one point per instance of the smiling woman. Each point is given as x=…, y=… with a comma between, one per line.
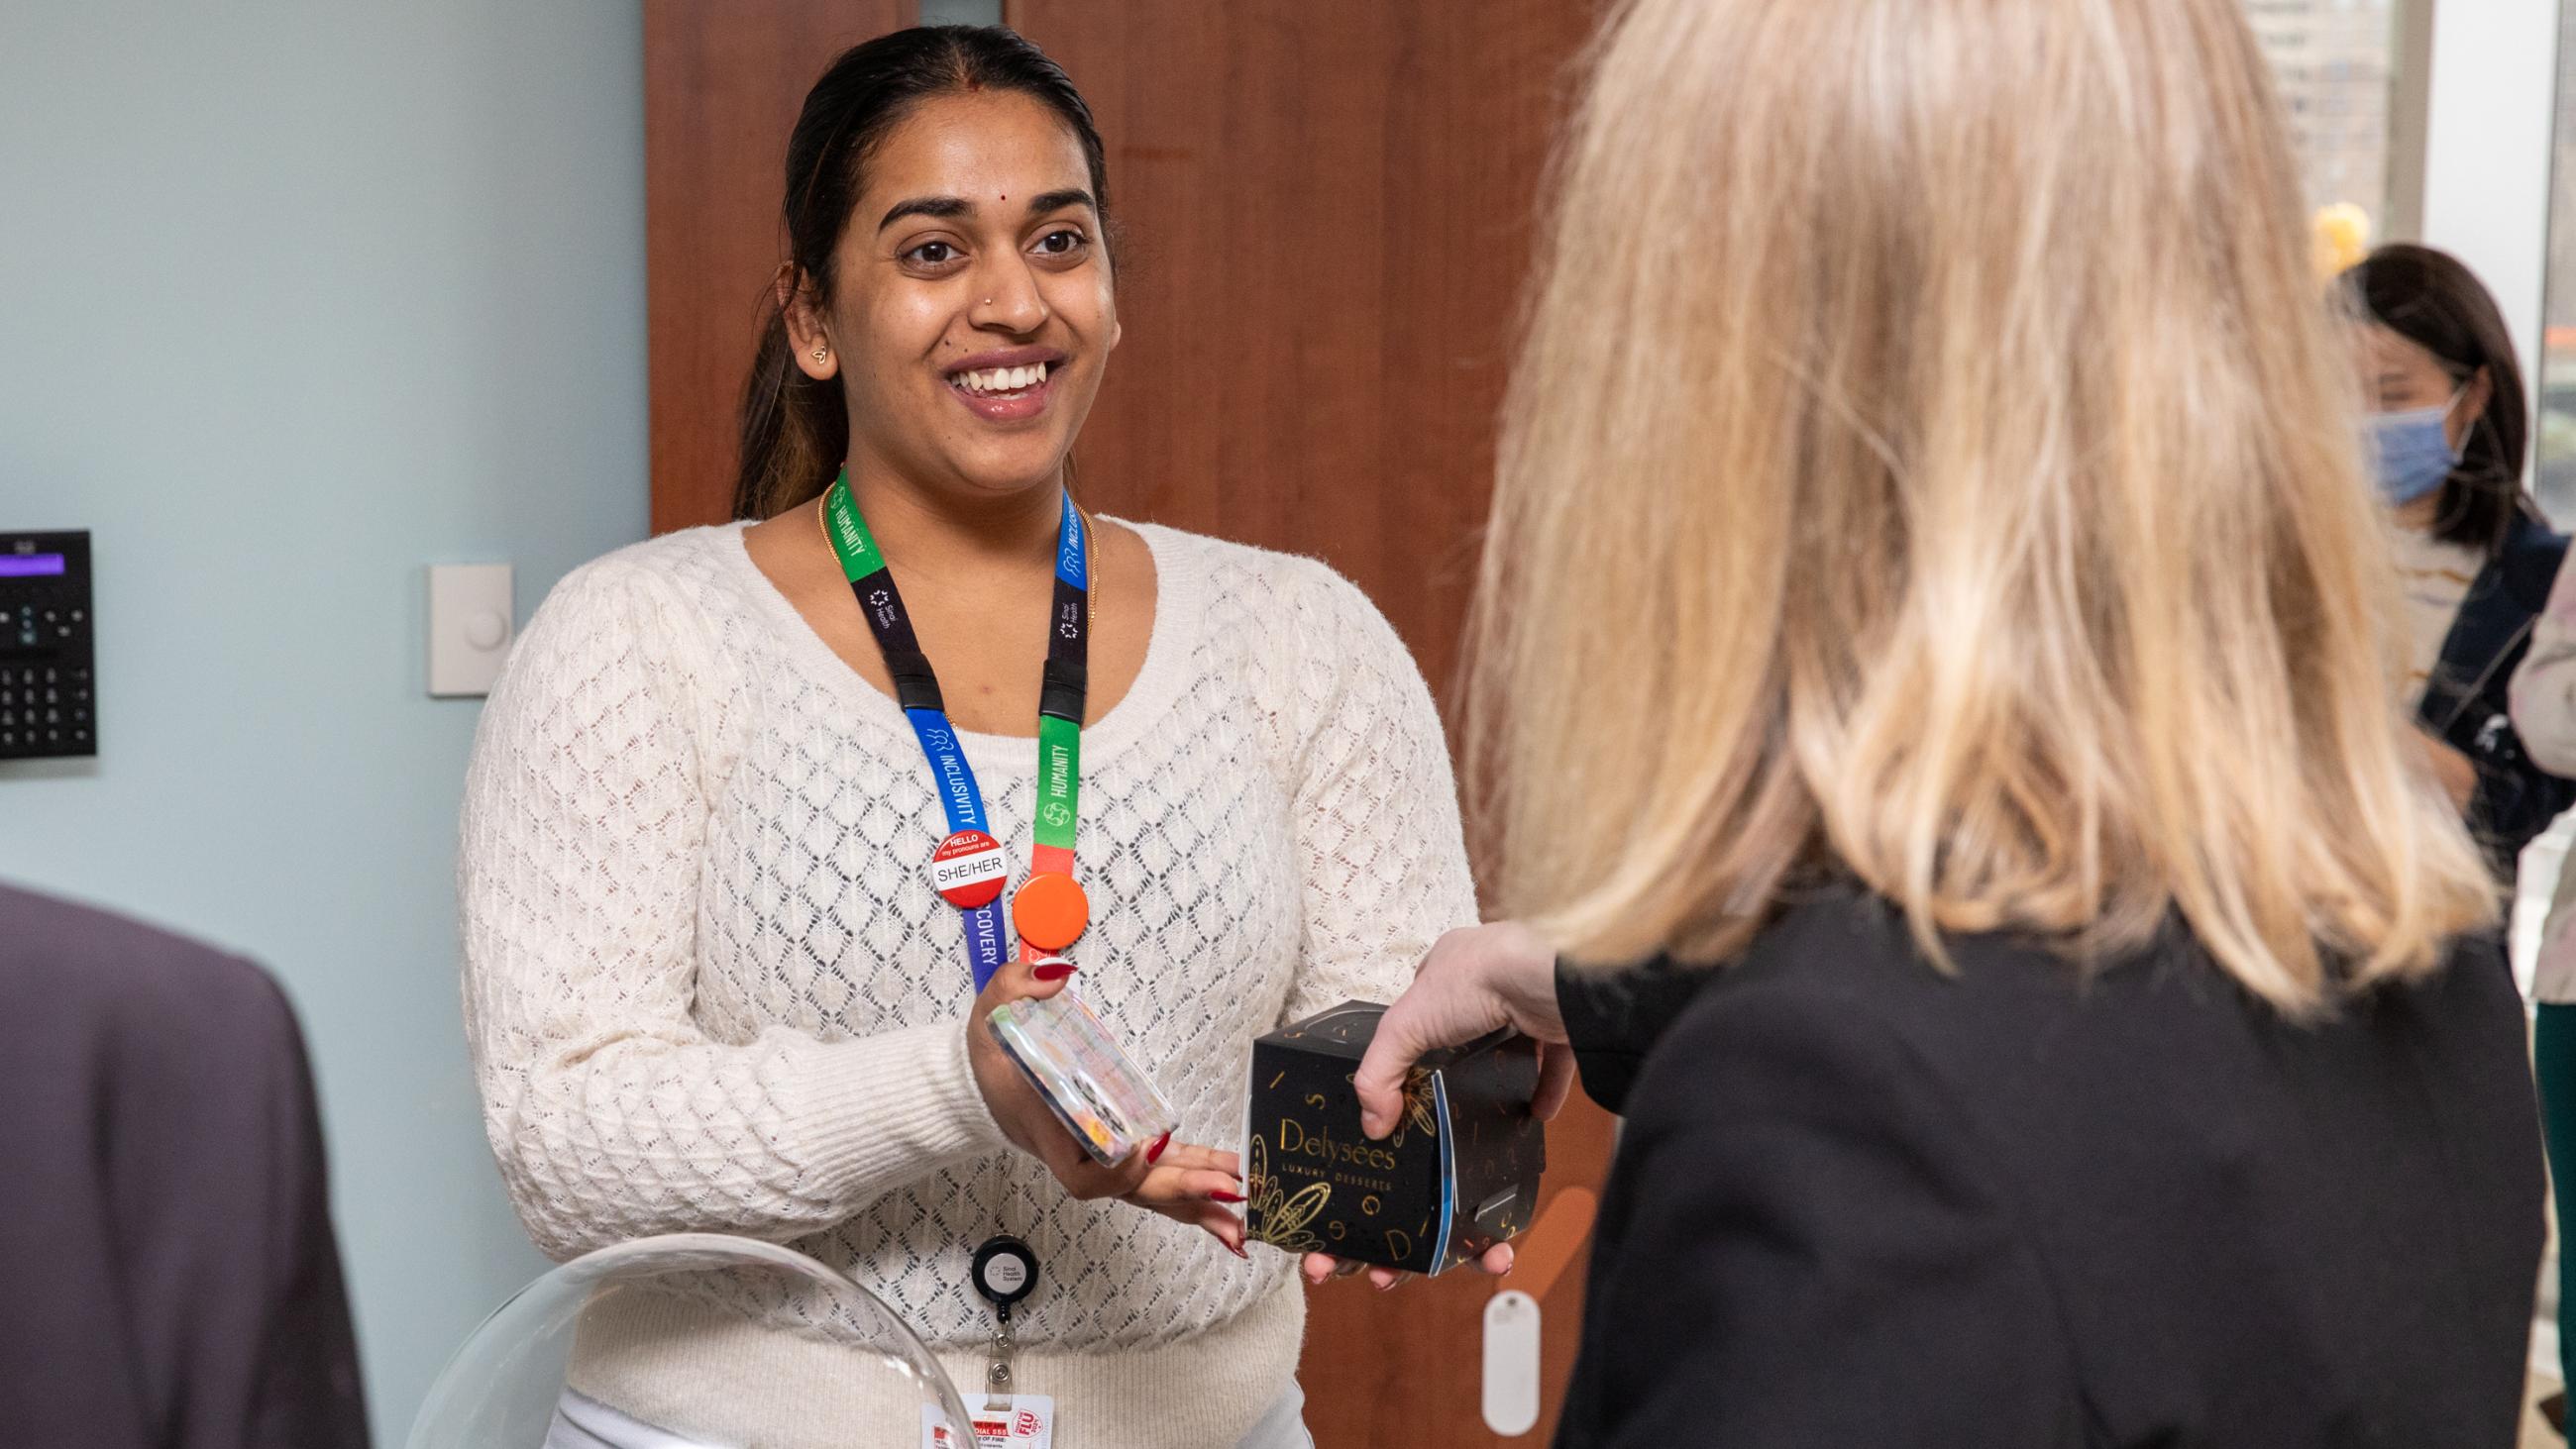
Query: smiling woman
x=895, y=252
x=714, y=971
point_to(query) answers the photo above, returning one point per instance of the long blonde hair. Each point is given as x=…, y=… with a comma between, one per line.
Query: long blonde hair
x=1930, y=457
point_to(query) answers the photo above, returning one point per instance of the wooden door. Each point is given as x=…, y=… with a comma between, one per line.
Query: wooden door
x=1325, y=208
x=723, y=81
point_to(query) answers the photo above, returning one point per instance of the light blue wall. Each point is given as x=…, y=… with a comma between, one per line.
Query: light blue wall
x=296, y=298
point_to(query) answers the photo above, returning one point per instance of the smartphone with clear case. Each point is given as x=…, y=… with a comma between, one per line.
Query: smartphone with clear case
x=1100, y=1095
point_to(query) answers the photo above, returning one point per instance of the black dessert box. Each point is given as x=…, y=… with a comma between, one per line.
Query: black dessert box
x=1459, y=1174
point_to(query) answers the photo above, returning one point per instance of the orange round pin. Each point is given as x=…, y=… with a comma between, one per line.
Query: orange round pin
x=1050, y=911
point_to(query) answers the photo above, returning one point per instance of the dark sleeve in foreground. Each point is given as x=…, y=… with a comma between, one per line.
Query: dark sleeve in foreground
x=306, y=1388
x=174, y=1279
x=1801, y=1246
x=1613, y=1018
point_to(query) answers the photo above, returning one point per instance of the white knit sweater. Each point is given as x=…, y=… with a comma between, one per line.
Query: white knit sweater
x=709, y=988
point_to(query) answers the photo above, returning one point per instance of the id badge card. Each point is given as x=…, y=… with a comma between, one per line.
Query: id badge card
x=1010, y=1421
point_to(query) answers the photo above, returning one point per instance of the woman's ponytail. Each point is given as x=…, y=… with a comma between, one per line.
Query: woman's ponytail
x=794, y=428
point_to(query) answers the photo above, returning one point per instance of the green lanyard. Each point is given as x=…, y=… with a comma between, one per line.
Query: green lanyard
x=1049, y=910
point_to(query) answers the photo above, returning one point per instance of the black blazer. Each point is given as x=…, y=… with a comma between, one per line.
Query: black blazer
x=1859, y=1202
x=165, y=1229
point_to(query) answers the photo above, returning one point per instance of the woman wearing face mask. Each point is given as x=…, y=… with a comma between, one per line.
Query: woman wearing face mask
x=2491, y=643
x=2449, y=427
x=712, y=984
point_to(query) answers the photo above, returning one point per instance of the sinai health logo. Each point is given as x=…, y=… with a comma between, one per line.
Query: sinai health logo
x=1018, y=1427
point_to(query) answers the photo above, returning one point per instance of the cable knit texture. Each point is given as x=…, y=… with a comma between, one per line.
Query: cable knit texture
x=708, y=986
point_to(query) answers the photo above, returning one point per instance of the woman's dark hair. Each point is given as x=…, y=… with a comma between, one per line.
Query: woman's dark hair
x=2431, y=300
x=796, y=430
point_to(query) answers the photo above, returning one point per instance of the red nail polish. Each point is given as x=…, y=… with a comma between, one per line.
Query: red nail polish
x=1237, y=1250
x=1221, y=1195
x=1154, y=1153
x=1054, y=971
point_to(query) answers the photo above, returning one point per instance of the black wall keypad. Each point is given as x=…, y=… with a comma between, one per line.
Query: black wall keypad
x=48, y=663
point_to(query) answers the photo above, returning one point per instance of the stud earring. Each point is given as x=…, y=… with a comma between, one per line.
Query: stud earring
x=821, y=352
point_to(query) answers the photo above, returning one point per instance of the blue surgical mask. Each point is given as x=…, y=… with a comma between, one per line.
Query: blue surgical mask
x=2415, y=452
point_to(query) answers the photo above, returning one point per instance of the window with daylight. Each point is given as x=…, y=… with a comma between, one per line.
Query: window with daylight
x=2554, y=460
x=2335, y=61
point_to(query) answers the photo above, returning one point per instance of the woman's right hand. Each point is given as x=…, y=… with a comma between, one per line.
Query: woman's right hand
x=1476, y=978
x=1178, y=1180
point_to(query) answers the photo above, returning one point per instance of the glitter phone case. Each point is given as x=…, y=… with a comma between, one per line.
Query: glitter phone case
x=1099, y=1095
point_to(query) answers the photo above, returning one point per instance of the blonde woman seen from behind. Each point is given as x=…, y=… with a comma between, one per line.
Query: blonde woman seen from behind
x=2047, y=991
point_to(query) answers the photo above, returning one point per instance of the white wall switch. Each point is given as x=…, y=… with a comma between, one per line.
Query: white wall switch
x=470, y=626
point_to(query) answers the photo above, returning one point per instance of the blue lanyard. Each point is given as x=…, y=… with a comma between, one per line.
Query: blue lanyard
x=986, y=948
x=917, y=689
